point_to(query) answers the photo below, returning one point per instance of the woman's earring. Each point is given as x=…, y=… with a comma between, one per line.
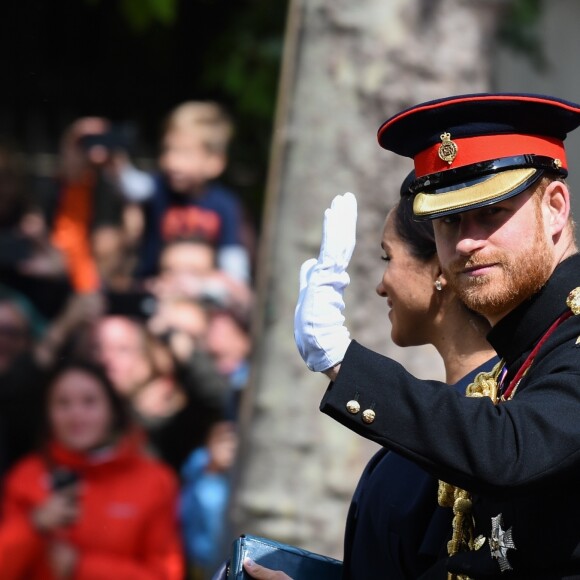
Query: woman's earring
x=438, y=285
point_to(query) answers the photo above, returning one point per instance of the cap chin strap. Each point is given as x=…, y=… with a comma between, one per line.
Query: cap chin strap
x=450, y=177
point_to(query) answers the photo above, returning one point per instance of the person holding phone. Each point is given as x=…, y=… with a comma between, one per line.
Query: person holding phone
x=90, y=503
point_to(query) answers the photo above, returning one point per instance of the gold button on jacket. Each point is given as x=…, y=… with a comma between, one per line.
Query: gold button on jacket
x=368, y=416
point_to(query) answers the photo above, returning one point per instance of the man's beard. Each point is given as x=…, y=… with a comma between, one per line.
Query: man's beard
x=514, y=277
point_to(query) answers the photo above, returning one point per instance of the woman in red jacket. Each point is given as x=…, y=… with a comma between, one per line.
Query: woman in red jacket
x=90, y=505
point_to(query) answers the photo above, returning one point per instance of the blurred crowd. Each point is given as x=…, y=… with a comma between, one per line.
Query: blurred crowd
x=125, y=301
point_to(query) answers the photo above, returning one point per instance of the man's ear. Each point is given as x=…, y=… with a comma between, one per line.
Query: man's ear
x=556, y=205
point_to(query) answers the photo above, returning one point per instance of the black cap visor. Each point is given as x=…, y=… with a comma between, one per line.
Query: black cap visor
x=474, y=194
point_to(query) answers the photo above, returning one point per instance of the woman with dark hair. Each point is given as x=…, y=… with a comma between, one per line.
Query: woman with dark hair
x=89, y=504
x=395, y=528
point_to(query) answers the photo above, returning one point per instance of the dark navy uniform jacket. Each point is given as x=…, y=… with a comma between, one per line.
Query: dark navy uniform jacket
x=520, y=458
x=395, y=529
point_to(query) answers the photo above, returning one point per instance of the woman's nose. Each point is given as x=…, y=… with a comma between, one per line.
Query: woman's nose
x=380, y=289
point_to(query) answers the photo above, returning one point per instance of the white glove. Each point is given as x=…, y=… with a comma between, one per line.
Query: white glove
x=319, y=331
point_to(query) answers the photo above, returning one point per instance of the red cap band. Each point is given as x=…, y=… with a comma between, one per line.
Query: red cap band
x=486, y=148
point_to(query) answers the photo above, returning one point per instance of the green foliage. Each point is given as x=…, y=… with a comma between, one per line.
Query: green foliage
x=237, y=63
x=243, y=60
x=141, y=15
x=242, y=64
x=520, y=32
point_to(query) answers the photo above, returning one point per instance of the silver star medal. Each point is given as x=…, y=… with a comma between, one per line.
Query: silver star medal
x=500, y=542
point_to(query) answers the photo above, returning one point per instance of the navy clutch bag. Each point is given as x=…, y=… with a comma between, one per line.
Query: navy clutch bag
x=297, y=563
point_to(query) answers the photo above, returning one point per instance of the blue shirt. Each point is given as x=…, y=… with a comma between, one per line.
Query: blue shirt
x=214, y=216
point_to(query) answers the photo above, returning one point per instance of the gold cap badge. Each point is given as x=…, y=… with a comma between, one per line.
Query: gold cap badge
x=448, y=149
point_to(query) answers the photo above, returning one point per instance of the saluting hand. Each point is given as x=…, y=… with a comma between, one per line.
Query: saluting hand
x=319, y=331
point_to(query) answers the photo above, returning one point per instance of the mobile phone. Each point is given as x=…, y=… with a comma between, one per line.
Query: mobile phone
x=120, y=137
x=138, y=304
x=61, y=478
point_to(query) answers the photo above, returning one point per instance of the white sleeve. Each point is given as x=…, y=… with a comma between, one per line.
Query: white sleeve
x=234, y=260
x=135, y=185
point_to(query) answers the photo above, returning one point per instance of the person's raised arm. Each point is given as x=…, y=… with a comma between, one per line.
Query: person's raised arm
x=321, y=336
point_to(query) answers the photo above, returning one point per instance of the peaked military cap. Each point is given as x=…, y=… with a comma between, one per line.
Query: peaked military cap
x=475, y=150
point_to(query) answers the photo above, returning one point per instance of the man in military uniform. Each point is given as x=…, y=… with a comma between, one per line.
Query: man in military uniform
x=490, y=172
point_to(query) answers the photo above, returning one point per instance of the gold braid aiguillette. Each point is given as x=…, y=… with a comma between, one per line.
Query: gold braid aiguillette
x=484, y=385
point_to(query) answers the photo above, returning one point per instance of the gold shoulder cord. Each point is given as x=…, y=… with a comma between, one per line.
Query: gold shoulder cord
x=484, y=385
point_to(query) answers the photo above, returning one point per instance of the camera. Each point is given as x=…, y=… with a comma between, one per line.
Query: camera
x=119, y=137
